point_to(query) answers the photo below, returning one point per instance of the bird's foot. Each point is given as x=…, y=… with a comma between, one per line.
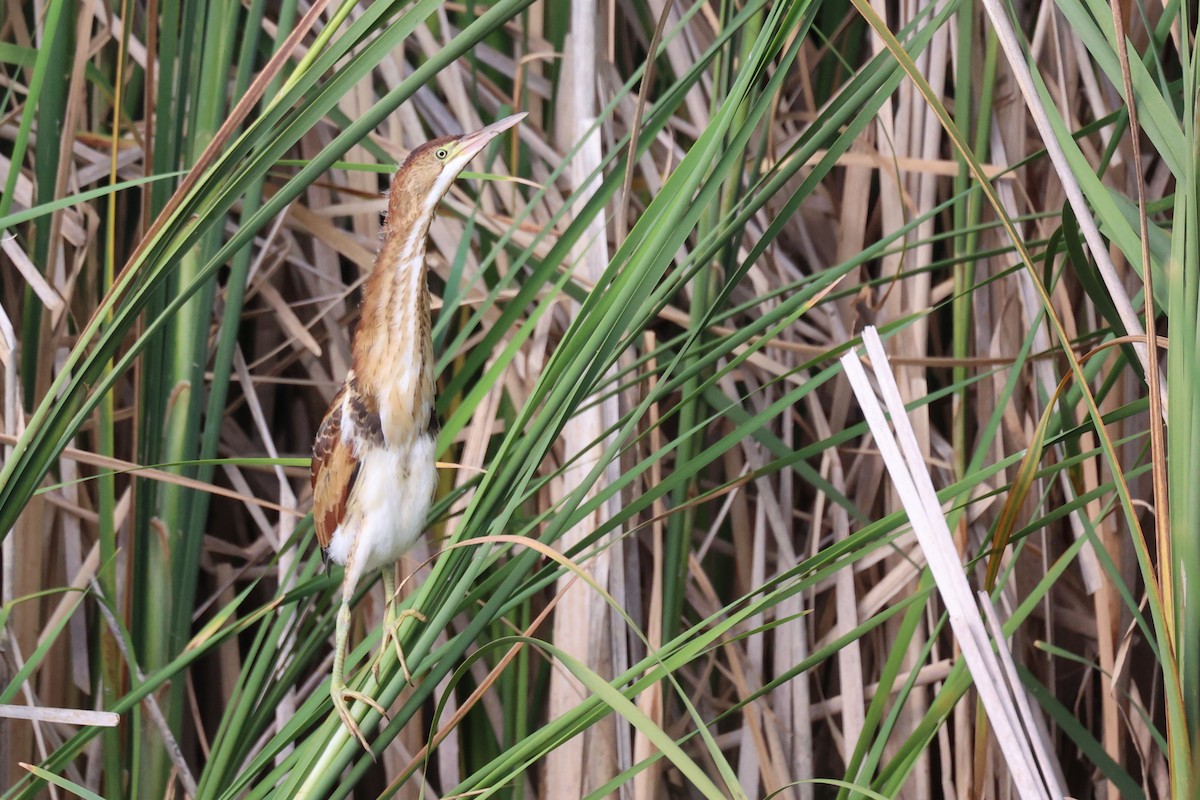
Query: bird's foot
x=339, y=694
x=391, y=630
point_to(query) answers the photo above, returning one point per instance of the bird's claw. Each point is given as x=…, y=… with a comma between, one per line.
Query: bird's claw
x=343, y=710
x=391, y=630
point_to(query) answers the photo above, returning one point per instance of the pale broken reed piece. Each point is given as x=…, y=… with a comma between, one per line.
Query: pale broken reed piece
x=373, y=473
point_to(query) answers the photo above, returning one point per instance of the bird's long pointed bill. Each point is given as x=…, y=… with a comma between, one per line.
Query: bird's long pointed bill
x=472, y=143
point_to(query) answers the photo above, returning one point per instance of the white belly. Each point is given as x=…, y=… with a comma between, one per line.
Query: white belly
x=385, y=513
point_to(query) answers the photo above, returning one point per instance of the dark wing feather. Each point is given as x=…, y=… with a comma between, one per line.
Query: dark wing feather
x=334, y=470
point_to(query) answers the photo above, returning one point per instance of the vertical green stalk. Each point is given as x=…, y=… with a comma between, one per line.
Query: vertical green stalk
x=170, y=566
x=1183, y=446
x=167, y=113
x=704, y=291
x=967, y=212
x=235, y=293
x=235, y=285
x=964, y=269
x=154, y=389
x=110, y=665
x=48, y=95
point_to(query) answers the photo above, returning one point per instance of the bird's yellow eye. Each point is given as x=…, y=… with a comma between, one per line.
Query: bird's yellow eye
x=441, y=153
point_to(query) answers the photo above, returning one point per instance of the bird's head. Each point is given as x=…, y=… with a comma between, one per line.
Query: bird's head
x=425, y=176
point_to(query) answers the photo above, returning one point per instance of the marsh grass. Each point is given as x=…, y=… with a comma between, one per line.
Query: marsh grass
x=667, y=559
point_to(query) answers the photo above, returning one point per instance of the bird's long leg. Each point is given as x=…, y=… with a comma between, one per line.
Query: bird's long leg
x=337, y=683
x=392, y=620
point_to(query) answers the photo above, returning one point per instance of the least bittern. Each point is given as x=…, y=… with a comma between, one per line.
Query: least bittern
x=373, y=473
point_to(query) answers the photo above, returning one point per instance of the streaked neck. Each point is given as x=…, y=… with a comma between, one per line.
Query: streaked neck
x=393, y=354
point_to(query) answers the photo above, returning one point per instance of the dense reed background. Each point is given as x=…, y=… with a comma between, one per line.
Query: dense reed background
x=671, y=561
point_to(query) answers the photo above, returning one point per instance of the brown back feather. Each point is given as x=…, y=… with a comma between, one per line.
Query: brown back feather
x=334, y=470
